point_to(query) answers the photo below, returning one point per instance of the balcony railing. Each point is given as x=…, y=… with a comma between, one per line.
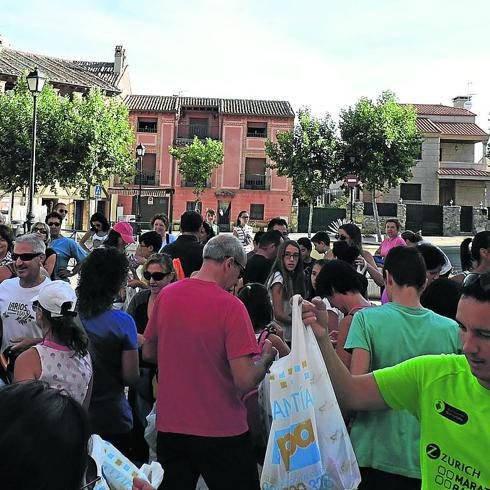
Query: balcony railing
x=186, y=132
x=190, y=183
x=147, y=178
x=255, y=181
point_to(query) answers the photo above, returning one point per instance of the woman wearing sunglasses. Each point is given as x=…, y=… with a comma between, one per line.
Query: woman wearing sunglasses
x=98, y=233
x=158, y=272
x=42, y=230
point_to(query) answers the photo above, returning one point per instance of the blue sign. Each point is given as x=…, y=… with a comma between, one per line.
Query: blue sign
x=98, y=192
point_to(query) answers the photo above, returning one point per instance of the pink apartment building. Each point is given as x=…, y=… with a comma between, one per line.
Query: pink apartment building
x=243, y=182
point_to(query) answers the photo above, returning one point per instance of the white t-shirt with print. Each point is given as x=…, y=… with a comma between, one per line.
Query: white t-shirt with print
x=16, y=312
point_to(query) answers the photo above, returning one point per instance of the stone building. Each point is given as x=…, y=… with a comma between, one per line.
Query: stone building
x=452, y=165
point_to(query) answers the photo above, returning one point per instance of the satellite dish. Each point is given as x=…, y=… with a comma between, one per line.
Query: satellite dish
x=467, y=105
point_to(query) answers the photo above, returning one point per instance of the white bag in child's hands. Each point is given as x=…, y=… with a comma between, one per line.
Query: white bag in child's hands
x=308, y=447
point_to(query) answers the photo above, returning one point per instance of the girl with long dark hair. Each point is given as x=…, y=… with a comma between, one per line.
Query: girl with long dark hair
x=286, y=279
x=476, y=259
x=113, y=344
x=98, y=233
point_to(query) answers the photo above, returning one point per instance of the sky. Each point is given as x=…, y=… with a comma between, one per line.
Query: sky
x=324, y=54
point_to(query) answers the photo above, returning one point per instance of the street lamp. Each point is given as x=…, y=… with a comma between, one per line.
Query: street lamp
x=36, y=81
x=352, y=182
x=140, y=152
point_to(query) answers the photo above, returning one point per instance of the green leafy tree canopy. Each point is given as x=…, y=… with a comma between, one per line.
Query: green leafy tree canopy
x=80, y=142
x=308, y=155
x=197, y=161
x=382, y=137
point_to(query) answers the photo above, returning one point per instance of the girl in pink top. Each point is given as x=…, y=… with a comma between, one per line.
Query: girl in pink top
x=392, y=237
x=62, y=358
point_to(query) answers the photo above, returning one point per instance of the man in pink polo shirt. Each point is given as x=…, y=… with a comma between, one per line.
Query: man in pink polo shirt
x=208, y=358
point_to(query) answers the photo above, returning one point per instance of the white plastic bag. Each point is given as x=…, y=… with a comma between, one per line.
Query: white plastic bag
x=117, y=470
x=308, y=447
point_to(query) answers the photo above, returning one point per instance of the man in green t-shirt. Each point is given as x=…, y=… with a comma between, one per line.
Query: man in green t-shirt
x=385, y=336
x=448, y=394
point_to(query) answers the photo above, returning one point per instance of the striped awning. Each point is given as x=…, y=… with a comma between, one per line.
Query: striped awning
x=144, y=192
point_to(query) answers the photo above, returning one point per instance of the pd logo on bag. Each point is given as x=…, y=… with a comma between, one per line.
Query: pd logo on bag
x=296, y=446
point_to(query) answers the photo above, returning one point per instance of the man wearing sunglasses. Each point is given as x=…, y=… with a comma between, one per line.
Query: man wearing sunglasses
x=61, y=209
x=18, y=319
x=448, y=394
x=65, y=248
x=205, y=331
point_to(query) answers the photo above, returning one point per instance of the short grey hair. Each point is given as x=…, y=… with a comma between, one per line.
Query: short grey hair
x=32, y=239
x=222, y=246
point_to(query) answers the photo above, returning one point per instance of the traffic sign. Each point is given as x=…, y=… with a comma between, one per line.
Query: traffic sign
x=98, y=192
x=352, y=180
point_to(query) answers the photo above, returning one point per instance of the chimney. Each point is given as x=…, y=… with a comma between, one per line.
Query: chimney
x=119, y=60
x=460, y=101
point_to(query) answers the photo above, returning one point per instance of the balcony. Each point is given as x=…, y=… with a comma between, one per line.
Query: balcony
x=255, y=182
x=147, y=178
x=186, y=133
x=190, y=183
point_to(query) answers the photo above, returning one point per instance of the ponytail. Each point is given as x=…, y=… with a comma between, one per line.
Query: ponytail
x=481, y=240
x=68, y=332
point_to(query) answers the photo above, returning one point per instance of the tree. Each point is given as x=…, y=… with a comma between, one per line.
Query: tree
x=307, y=155
x=383, y=139
x=80, y=142
x=197, y=161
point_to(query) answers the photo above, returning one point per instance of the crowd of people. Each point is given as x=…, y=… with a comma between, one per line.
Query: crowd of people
x=189, y=325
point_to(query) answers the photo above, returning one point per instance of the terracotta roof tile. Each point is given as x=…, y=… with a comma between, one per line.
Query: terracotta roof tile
x=199, y=102
x=439, y=110
x=463, y=172
x=278, y=108
x=239, y=107
x=151, y=103
x=425, y=125
x=457, y=129
x=102, y=69
x=57, y=70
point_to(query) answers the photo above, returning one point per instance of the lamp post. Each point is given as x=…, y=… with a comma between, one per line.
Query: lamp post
x=36, y=81
x=140, y=152
x=352, y=182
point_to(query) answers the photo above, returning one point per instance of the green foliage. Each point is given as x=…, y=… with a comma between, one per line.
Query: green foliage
x=197, y=161
x=79, y=142
x=341, y=202
x=307, y=154
x=383, y=138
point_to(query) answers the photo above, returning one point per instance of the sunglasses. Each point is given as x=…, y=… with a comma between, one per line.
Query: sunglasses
x=483, y=279
x=156, y=276
x=40, y=230
x=54, y=224
x=338, y=236
x=245, y=216
x=24, y=257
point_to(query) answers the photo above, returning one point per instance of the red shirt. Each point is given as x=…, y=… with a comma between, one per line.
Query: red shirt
x=199, y=328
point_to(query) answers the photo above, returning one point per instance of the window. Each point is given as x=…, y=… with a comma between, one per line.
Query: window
x=411, y=192
x=147, y=125
x=255, y=176
x=419, y=154
x=191, y=206
x=256, y=130
x=257, y=212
